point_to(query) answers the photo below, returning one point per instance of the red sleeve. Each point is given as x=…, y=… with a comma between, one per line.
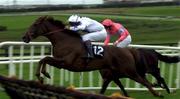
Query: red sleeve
x=107, y=39
x=122, y=37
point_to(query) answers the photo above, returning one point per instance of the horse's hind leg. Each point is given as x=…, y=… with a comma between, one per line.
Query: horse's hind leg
x=146, y=83
x=118, y=82
x=164, y=84
x=105, y=85
x=160, y=80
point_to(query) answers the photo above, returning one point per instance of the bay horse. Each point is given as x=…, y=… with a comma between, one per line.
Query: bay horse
x=148, y=64
x=68, y=50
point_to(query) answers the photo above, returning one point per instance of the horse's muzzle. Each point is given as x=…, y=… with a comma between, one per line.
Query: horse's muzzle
x=26, y=39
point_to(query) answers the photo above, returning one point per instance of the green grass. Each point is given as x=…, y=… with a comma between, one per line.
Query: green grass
x=77, y=78
x=155, y=11
x=138, y=11
x=133, y=94
x=3, y=95
x=143, y=30
x=147, y=95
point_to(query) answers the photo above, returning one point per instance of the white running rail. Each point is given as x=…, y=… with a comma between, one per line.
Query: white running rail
x=21, y=59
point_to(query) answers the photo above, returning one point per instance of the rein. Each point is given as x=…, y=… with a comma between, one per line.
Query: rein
x=55, y=31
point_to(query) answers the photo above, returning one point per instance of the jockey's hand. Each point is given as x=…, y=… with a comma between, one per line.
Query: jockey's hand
x=115, y=43
x=73, y=29
x=67, y=27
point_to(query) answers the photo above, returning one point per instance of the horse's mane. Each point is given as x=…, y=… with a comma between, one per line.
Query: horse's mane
x=61, y=25
x=72, y=33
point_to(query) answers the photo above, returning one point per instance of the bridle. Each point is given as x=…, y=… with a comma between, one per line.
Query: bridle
x=48, y=33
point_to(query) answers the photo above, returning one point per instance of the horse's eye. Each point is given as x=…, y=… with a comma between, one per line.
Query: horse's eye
x=35, y=25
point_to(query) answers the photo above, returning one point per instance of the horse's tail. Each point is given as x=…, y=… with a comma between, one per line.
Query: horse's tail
x=168, y=59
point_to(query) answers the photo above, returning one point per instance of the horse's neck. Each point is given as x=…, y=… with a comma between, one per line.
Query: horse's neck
x=54, y=39
x=62, y=40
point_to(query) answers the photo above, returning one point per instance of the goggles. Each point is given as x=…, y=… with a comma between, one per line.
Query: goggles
x=107, y=27
x=74, y=23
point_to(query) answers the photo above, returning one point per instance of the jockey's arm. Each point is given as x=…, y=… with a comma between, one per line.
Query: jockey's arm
x=107, y=39
x=123, y=35
x=82, y=26
x=77, y=28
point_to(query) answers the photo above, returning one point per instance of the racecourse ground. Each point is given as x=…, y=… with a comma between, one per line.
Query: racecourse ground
x=147, y=25
x=141, y=22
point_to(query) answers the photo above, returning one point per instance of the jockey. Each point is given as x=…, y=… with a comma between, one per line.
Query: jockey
x=113, y=28
x=94, y=30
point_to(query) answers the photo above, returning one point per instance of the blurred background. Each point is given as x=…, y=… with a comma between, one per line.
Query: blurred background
x=148, y=16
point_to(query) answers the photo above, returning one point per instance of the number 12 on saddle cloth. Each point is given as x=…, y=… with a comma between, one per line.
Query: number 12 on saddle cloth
x=98, y=50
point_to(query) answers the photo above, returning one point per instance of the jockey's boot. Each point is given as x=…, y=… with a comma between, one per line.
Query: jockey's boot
x=89, y=49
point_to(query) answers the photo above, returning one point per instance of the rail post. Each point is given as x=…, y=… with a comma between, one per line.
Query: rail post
x=178, y=71
x=12, y=68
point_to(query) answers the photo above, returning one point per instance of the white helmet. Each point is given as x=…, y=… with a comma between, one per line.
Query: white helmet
x=74, y=18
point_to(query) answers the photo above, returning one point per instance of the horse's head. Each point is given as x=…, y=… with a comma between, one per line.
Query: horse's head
x=42, y=26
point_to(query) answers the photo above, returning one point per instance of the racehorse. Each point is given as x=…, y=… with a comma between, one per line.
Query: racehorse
x=147, y=64
x=68, y=51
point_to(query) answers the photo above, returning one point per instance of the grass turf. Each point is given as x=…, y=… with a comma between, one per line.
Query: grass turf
x=157, y=30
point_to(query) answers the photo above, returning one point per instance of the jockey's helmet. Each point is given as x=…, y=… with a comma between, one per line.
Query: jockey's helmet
x=107, y=23
x=74, y=20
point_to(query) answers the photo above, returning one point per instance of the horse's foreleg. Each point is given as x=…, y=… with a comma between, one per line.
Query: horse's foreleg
x=43, y=71
x=38, y=71
x=48, y=60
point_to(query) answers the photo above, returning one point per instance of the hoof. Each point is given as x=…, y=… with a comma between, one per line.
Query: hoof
x=160, y=95
x=41, y=80
x=47, y=75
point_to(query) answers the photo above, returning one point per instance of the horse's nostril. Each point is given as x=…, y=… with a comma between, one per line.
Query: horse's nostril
x=23, y=38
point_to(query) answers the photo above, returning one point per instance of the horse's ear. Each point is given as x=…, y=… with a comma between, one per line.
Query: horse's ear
x=44, y=17
x=41, y=18
x=50, y=18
